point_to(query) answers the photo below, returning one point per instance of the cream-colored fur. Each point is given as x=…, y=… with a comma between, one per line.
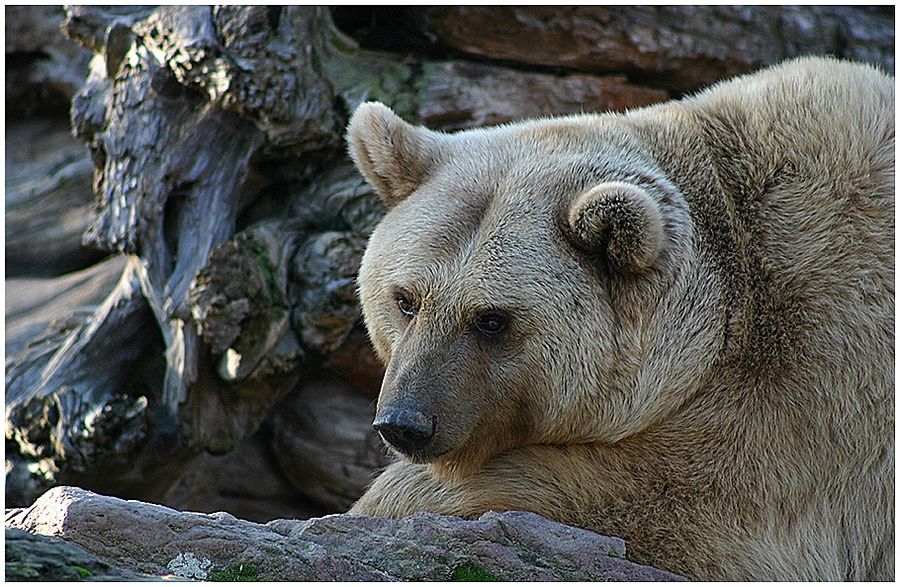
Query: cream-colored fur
x=699, y=355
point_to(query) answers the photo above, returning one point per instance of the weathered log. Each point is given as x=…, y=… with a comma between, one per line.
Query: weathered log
x=48, y=199
x=246, y=480
x=33, y=304
x=680, y=48
x=191, y=114
x=48, y=181
x=326, y=268
x=43, y=69
x=73, y=399
x=355, y=363
x=458, y=95
x=174, y=176
x=324, y=443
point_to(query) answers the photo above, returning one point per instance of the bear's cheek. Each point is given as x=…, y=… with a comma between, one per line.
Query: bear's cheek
x=482, y=414
x=471, y=410
x=496, y=397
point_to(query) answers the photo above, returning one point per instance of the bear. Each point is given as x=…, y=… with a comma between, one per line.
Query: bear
x=673, y=324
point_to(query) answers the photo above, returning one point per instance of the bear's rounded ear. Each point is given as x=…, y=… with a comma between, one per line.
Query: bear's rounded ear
x=394, y=156
x=620, y=221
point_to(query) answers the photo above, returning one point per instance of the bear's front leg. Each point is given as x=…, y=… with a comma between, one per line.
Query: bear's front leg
x=584, y=485
x=537, y=479
x=405, y=488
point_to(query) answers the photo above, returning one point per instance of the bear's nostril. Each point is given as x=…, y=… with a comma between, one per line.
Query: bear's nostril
x=405, y=430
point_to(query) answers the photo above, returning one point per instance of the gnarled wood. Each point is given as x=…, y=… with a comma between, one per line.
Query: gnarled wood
x=178, y=103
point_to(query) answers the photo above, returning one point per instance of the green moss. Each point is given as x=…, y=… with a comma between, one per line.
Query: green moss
x=269, y=272
x=83, y=571
x=236, y=572
x=359, y=75
x=472, y=573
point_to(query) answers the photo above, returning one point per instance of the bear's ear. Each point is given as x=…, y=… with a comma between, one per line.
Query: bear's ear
x=620, y=221
x=394, y=156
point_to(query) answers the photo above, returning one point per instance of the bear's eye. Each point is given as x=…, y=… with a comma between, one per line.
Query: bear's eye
x=491, y=323
x=407, y=307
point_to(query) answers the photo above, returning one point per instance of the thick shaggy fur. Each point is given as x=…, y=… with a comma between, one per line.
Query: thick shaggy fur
x=699, y=354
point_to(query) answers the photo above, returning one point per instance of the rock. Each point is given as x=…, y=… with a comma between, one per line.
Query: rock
x=680, y=48
x=32, y=557
x=324, y=429
x=458, y=94
x=145, y=538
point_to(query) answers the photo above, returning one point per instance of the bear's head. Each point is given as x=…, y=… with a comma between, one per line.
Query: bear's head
x=514, y=285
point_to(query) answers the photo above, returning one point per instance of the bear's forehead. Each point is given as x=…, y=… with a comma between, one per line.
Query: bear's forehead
x=452, y=245
x=539, y=159
x=491, y=192
x=456, y=210
x=487, y=228
x=490, y=216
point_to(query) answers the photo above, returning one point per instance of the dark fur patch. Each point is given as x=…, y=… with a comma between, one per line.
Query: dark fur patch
x=766, y=314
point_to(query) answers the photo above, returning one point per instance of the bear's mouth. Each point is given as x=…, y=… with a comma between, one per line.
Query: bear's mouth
x=427, y=454
x=421, y=457
x=436, y=453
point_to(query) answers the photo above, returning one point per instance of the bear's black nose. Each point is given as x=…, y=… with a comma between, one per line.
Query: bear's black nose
x=406, y=430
